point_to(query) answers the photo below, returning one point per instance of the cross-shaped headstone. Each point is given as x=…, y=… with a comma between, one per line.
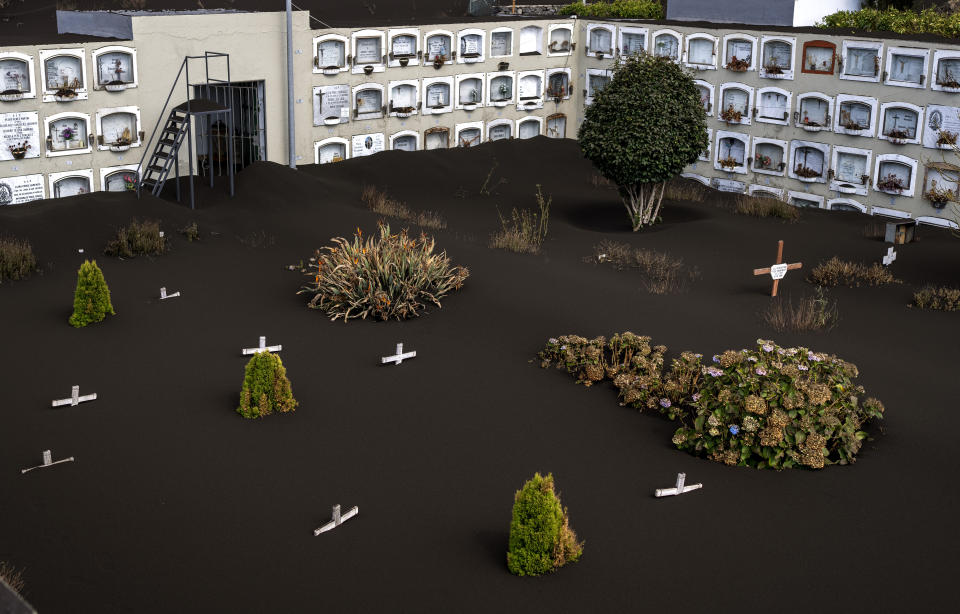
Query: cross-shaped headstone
x=778, y=270
x=890, y=257
x=337, y=519
x=75, y=398
x=47, y=462
x=164, y=295
x=263, y=348
x=679, y=489
x=399, y=357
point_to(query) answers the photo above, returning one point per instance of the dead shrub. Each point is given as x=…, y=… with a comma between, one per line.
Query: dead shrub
x=662, y=273
x=12, y=576
x=16, y=259
x=378, y=202
x=137, y=239
x=685, y=189
x=836, y=272
x=191, y=231
x=809, y=313
x=526, y=229
x=765, y=206
x=942, y=298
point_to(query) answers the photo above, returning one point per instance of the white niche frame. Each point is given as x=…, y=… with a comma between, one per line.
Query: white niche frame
x=380, y=66
x=107, y=171
x=938, y=56
x=137, y=141
x=824, y=150
x=849, y=202
x=786, y=73
x=795, y=195
x=558, y=71
x=764, y=191
x=131, y=51
x=555, y=119
x=334, y=140
x=858, y=44
x=907, y=51
x=739, y=136
x=907, y=161
x=379, y=113
x=488, y=86
x=570, y=47
x=788, y=107
x=48, y=120
x=870, y=101
x=748, y=113
x=460, y=128
x=933, y=220
x=530, y=118
x=412, y=59
x=784, y=156
x=403, y=133
x=713, y=40
x=451, y=92
x=632, y=30
x=754, y=47
x=451, y=57
x=798, y=117
x=882, y=119
x=707, y=154
x=31, y=71
x=458, y=81
x=481, y=55
x=513, y=42
x=588, y=92
x=890, y=212
x=602, y=55
x=845, y=186
x=49, y=54
x=711, y=94
x=54, y=178
x=667, y=32
x=330, y=70
x=527, y=33
x=530, y=103
x=415, y=84
x=501, y=122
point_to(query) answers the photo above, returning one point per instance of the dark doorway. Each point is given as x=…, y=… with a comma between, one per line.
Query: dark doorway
x=245, y=100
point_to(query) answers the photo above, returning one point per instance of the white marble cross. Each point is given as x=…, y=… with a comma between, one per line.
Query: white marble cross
x=399, y=357
x=890, y=257
x=263, y=348
x=75, y=398
x=679, y=489
x=337, y=519
x=47, y=462
x=164, y=295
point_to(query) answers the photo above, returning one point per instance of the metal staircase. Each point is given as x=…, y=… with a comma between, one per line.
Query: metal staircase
x=165, y=155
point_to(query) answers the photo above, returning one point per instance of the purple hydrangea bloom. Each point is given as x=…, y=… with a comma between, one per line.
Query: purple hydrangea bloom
x=715, y=372
x=664, y=402
x=734, y=429
x=716, y=358
x=752, y=358
x=803, y=367
x=761, y=371
x=766, y=347
x=813, y=357
x=696, y=397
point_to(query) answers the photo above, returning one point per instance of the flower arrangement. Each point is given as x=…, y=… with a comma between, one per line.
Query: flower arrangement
x=773, y=68
x=68, y=133
x=737, y=65
x=762, y=161
x=810, y=122
x=731, y=115
x=130, y=182
x=949, y=81
x=897, y=135
x=729, y=162
x=68, y=89
x=891, y=183
x=19, y=150
x=939, y=197
x=847, y=123
x=945, y=137
x=806, y=172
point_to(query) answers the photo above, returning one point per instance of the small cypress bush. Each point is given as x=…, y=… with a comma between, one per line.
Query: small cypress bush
x=541, y=539
x=91, y=301
x=266, y=388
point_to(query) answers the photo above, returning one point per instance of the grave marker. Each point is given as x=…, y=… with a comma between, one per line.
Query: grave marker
x=399, y=357
x=890, y=257
x=75, y=398
x=47, y=462
x=263, y=348
x=164, y=295
x=679, y=489
x=337, y=519
x=778, y=270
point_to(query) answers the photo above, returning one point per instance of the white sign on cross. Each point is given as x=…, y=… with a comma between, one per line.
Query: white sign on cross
x=778, y=271
x=164, y=295
x=75, y=398
x=890, y=257
x=47, y=462
x=679, y=489
x=337, y=519
x=399, y=357
x=263, y=348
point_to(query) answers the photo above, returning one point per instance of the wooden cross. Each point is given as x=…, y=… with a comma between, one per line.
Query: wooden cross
x=778, y=270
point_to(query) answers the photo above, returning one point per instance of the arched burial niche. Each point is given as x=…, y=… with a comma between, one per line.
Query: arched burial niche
x=64, y=75
x=501, y=88
x=906, y=66
x=856, y=115
x=941, y=184
x=119, y=178
x=819, y=57
x=814, y=111
x=118, y=129
x=701, y=51
x=776, y=57
x=597, y=79
x=115, y=68
x=469, y=91
x=67, y=134
x=895, y=174
x=845, y=204
x=773, y=106
x=740, y=52
x=334, y=149
x=499, y=129
x=17, y=78
x=438, y=48
x=560, y=40
x=71, y=183
x=851, y=170
x=531, y=40
x=808, y=161
x=331, y=105
x=706, y=95
x=471, y=46
x=469, y=134
x=557, y=126
x=330, y=54
x=736, y=100
x=529, y=127
x=501, y=42
x=529, y=90
x=558, y=84
x=805, y=200
x=404, y=48
x=437, y=95
x=600, y=40
x=368, y=101
x=437, y=137
x=404, y=98
x=946, y=71
x=769, y=156
x=732, y=148
x=632, y=40
x=900, y=122
x=764, y=191
x=405, y=140
x=368, y=51
x=860, y=60
x=666, y=43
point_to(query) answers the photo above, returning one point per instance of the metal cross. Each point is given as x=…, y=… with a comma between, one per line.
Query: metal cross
x=399, y=357
x=263, y=348
x=679, y=489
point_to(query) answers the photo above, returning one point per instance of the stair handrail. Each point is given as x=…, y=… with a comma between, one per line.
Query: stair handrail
x=160, y=118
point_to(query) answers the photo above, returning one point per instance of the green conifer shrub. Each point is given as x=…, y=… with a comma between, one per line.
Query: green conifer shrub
x=541, y=539
x=91, y=301
x=266, y=388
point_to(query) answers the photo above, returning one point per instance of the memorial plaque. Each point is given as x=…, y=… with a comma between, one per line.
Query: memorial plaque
x=900, y=120
x=332, y=152
x=71, y=186
x=499, y=132
x=470, y=91
x=114, y=68
x=19, y=131
x=438, y=95
x=369, y=101
x=906, y=68
x=631, y=43
x=948, y=72
x=501, y=88
x=740, y=49
x=368, y=51
x=438, y=45
x=735, y=98
x=773, y=105
x=940, y=118
x=528, y=129
x=530, y=87
x=666, y=45
x=63, y=71
x=851, y=167
x=15, y=75
x=855, y=114
x=436, y=140
x=329, y=102
x=732, y=148
x=407, y=142
x=21, y=189
x=367, y=144
x=501, y=43
x=470, y=45
x=861, y=62
x=120, y=181
x=331, y=53
x=601, y=39
x=897, y=169
x=469, y=137
x=818, y=58
x=778, y=53
x=773, y=152
x=810, y=158
x=117, y=126
x=404, y=46
x=68, y=133
x=728, y=185
x=700, y=51
x=814, y=111
x=404, y=97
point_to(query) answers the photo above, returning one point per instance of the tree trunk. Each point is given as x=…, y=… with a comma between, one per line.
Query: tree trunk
x=643, y=202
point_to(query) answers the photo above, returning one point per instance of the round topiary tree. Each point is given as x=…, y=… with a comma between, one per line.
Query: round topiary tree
x=266, y=388
x=642, y=129
x=91, y=301
x=541, y=539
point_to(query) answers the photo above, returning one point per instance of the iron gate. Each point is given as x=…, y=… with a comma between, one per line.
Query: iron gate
x=245, y=100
